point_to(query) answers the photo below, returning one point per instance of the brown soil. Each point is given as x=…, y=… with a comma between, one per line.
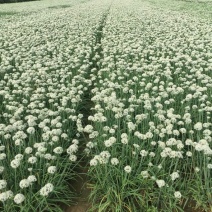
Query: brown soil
x=80, y=187
x=191, y=207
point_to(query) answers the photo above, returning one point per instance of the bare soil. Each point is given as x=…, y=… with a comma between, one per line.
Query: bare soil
x=80, y=187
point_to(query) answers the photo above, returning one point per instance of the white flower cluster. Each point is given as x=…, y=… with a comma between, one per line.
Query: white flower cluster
x=19, y=198
x=6, y=195
x=47, y=189
x=72, y=150
x=3, y=184
x=103, y=158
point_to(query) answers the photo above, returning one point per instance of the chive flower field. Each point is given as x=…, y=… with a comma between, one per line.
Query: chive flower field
x=123, y=87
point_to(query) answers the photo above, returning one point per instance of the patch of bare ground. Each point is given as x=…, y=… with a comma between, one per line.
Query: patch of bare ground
x=191, y=207
x=80, y=187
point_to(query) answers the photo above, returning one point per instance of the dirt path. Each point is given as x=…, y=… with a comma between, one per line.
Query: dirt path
x=80, y=186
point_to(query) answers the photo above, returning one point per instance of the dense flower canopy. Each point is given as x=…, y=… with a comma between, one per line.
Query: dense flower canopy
x=121, y=83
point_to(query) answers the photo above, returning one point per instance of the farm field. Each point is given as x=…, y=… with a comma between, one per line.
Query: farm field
x=120, y=90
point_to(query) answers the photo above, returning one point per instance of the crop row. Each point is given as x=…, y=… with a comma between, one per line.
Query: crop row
x=44, y=66
x=150, y=128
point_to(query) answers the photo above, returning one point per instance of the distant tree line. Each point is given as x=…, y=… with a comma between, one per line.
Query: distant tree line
x=13, y=1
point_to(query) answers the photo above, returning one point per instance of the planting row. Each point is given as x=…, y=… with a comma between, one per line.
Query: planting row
x=45, y=59
x=150, y=129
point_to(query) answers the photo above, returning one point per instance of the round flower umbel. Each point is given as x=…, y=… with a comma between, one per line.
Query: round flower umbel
x=174, y=175
x=177, y=194
x=6, y=195
x=19, y=198
x=198, y=126
x=58, y=150
x=24, y=183
x=52, y=169
x=127, y=169
x=1, y=169
x=145, y=174
x=110, y=141
x=114, y=161
x=160, y=183
x=3, y=184
x=15, y=163
x=47, y=189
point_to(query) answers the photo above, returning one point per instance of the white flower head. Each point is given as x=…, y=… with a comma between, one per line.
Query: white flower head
x=15, y=164
x=209, y=166
x=127, y=169
x=145, y=174
x=28, y=150
x=114, y=161
x=73, y=158
x=177, y=195
x=58, y=150
x=32, y=159
x=6, y=195
x=93, y=162
x=1, y=169
x=24, y=183
x=160, y=183
x=143, y=153
x=52, y=169
x=3, y=184
x=2, y=156
x=174, y=176
x=197, y=169
x=45, y=190
x=198, y=126
x=32, y=179
x=19, y=198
